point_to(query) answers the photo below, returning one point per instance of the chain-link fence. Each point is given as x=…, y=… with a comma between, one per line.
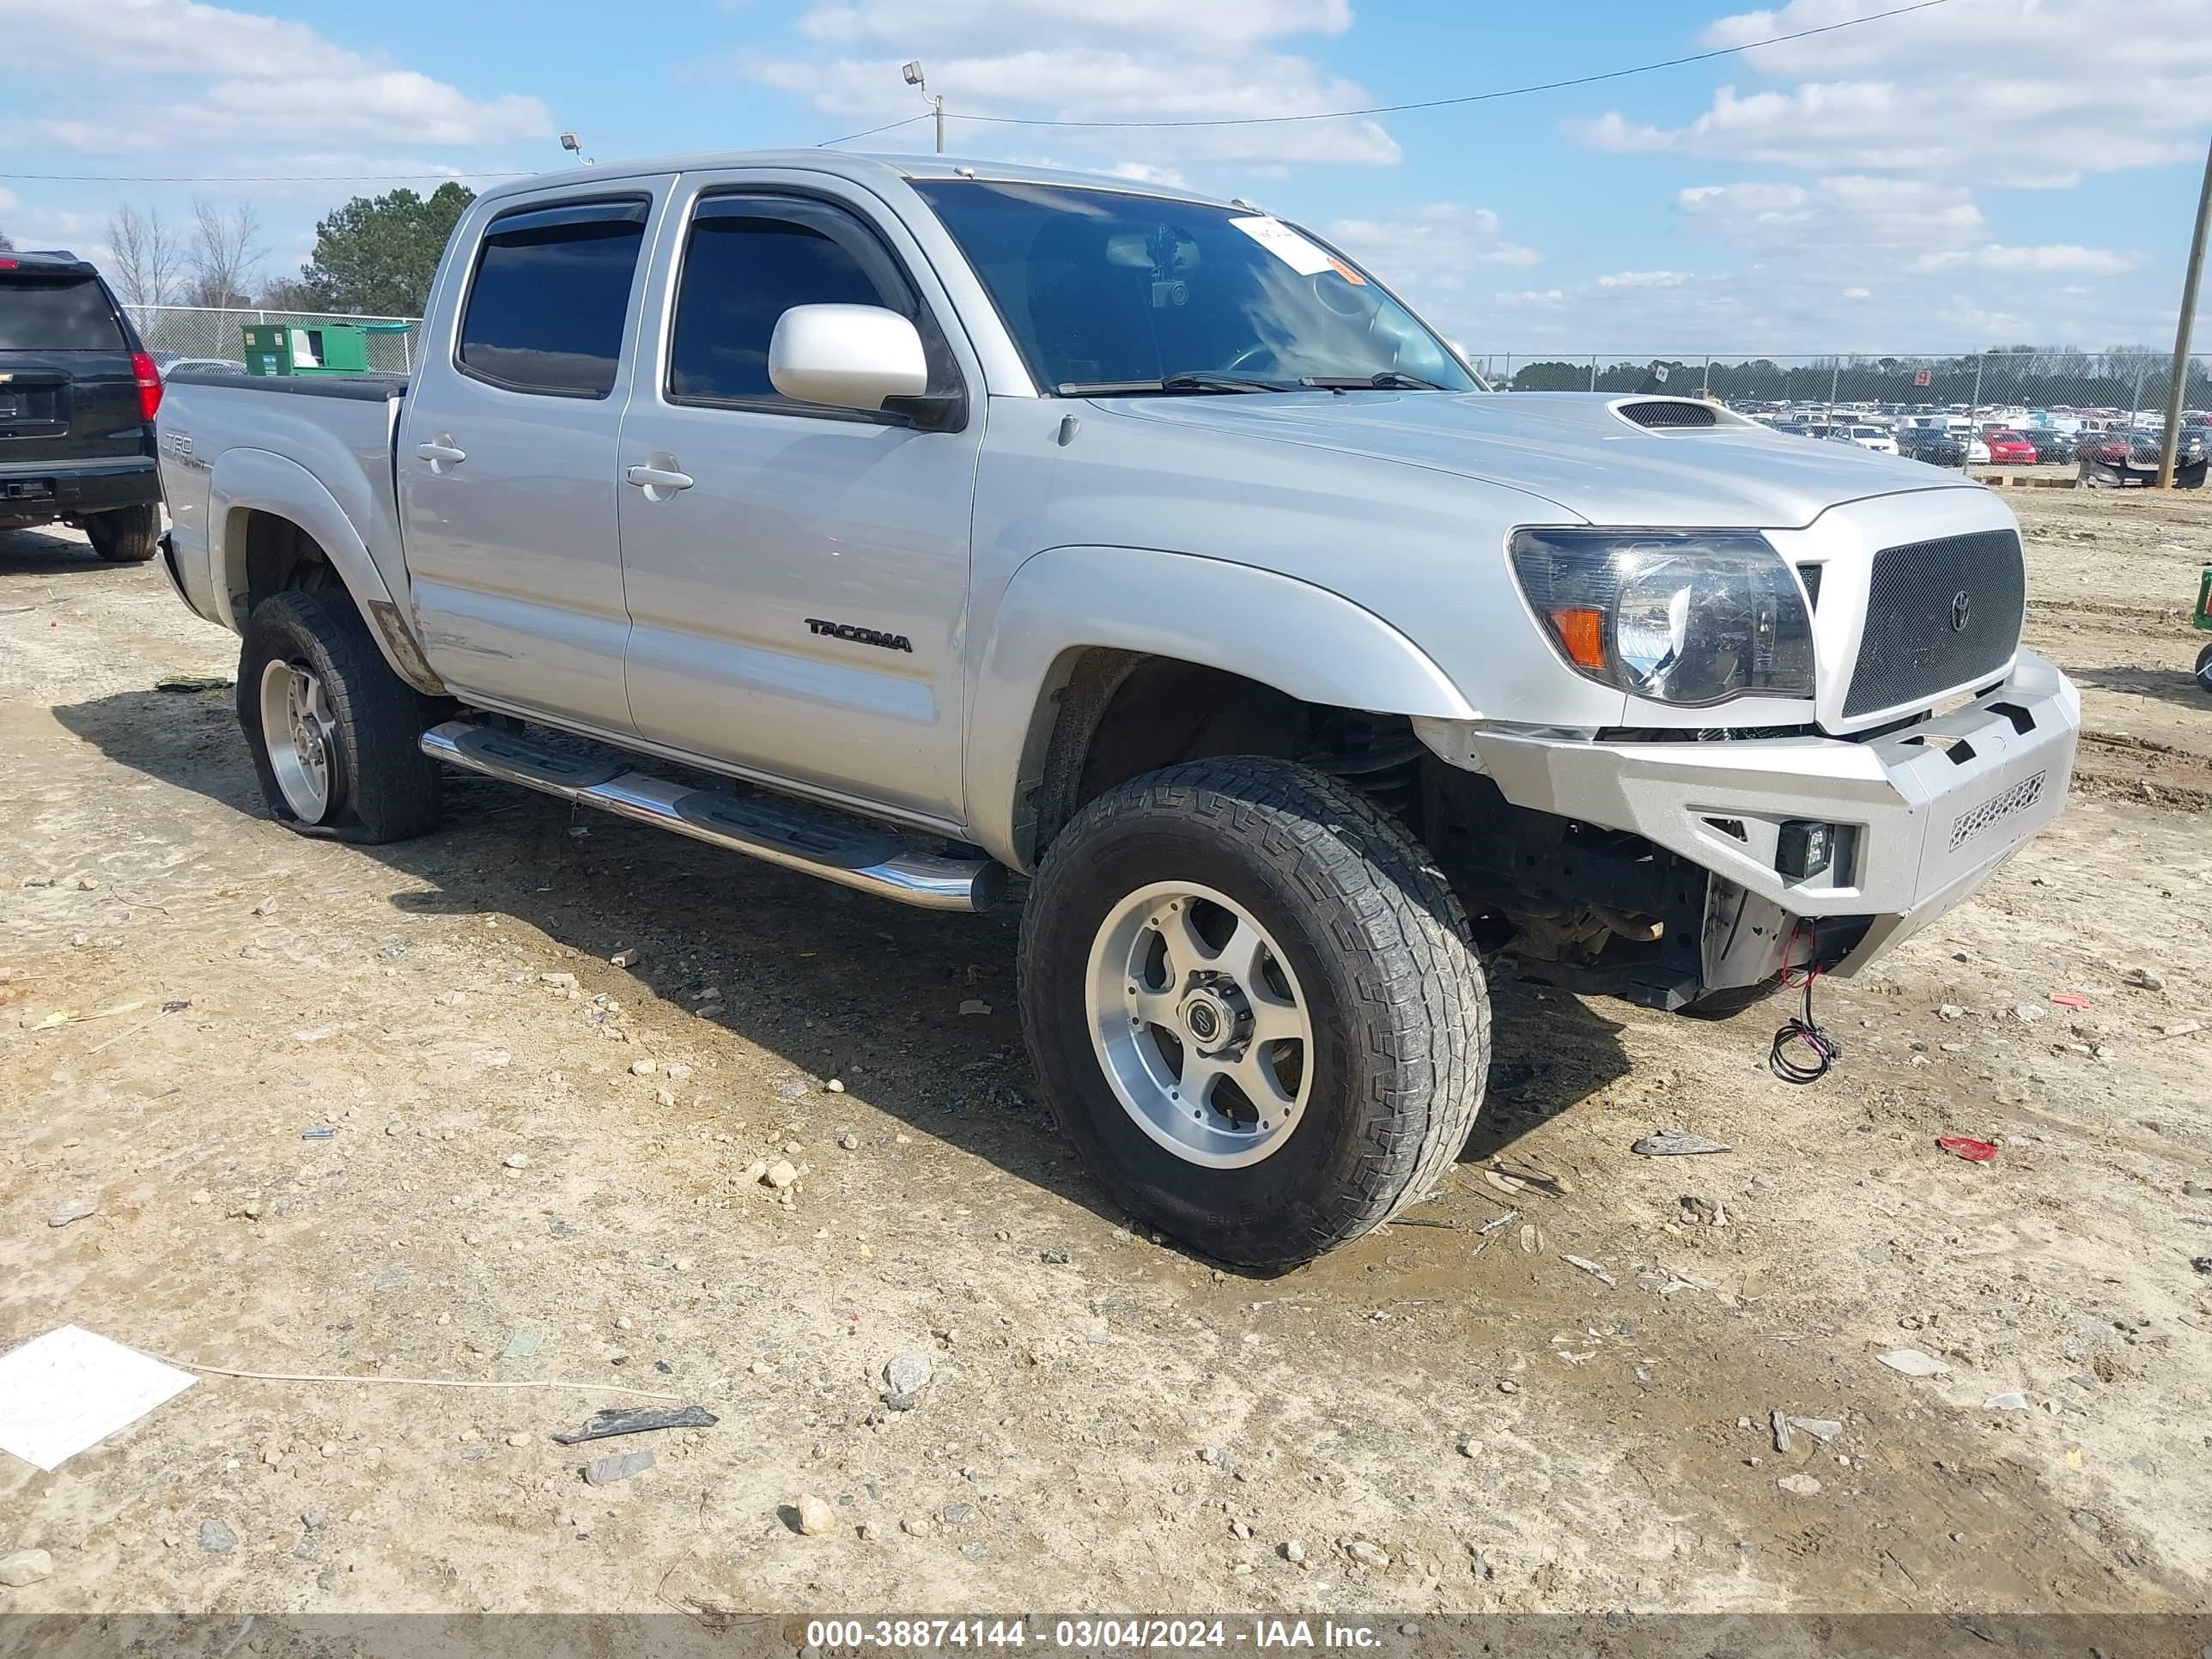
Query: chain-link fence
x=206, y=331
x=2019, y=408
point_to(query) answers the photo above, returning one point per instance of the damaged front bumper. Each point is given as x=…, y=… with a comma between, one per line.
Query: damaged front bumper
x=1918, y=817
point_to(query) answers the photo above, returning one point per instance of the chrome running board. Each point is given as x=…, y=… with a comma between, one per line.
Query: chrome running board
x=774, y=831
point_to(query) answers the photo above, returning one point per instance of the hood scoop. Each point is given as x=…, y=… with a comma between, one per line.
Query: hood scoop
x=1670, y=412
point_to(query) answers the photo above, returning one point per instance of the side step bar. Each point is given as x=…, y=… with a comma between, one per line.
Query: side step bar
x=775, y=832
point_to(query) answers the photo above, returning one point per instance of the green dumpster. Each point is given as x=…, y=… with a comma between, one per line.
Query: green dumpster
x=306, y=349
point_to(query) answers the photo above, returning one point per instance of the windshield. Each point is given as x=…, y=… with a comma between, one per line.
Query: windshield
x=1100, y=287
x=45, y=313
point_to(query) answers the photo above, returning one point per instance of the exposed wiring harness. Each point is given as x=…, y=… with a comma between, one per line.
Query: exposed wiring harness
x=1825, y=1050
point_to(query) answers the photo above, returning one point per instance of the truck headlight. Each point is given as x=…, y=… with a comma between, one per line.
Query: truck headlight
x=1688, y=617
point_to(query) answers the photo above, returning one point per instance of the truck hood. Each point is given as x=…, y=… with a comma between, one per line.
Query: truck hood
x=1574, y=450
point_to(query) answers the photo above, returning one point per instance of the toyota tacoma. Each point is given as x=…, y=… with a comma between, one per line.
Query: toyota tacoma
x=956, y=520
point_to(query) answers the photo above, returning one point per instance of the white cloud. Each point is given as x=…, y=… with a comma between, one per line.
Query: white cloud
x=1090, y=60
x=2010, y=92
x=1644, y=279
x=243, y=76
x=1144, y=173
x=893, y=23
x=1843, y=216
x=1429, y=253
x=2055, y=256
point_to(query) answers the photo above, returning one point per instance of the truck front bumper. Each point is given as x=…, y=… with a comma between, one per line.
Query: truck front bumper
x=1918, y=818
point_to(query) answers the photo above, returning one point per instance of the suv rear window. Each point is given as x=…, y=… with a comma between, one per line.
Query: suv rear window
x=46, y=314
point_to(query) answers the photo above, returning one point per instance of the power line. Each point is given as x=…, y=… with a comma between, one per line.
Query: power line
x=1465, y=98
x=1036, y=121
x=871, y=131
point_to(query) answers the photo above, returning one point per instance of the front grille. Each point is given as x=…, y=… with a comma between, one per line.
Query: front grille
x=1940, y=615
x=1669, y=414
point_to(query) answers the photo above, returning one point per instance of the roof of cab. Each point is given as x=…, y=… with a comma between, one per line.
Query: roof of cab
x=860, y=169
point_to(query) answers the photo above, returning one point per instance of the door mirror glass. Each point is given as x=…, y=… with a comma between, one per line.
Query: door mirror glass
x=849, y=356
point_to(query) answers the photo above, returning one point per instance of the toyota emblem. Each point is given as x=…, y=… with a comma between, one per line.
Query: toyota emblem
x=1962, y=609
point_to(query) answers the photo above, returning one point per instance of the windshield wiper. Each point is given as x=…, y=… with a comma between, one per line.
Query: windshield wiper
x=1187, y=382
x=1390, y=380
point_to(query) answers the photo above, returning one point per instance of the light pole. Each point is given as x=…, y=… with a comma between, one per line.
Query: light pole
x=912, y=71
x=570, y=142
x=2170, y=443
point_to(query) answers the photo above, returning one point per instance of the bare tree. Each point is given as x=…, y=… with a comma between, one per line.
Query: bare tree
x=224, y=254
x=148, y=256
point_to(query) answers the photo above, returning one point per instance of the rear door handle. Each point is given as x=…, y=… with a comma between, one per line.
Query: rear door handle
x=651, y=478
x=440, y=452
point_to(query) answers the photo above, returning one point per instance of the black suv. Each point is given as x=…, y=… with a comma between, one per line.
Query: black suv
x=77, y=396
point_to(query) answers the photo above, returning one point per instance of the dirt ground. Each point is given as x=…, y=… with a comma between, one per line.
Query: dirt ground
x=512, y=1194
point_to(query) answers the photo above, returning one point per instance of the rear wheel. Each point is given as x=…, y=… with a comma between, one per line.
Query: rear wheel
x=334, y=733
x=129, y=535
x=1254, y=1007
x=2204, y=669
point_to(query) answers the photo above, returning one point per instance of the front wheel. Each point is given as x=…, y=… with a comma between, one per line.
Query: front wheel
x=1254, y=1007
x=334, y=733
x=2204, y=669
x=127, y=535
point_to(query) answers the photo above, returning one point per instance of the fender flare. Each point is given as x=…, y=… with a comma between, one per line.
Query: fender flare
x=263, y=481
x=1302, y=640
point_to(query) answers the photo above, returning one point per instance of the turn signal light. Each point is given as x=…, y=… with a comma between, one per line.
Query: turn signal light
x=1581, y=636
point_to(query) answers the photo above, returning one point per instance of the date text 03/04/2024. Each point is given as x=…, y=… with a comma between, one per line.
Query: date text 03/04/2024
x=1079, y=1634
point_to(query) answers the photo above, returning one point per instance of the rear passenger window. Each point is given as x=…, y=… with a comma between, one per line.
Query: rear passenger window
x=748, y=260
x=546, y=311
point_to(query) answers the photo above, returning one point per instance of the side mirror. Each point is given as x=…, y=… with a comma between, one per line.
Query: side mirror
x=850, y=356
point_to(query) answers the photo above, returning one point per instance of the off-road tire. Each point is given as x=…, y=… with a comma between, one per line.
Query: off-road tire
x=2204, y=669
x=127, y=535
x=385, y=787
x=1400, y=1011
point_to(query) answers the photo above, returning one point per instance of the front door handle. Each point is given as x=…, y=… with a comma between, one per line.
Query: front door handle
x=657, y=481
x=441, y=453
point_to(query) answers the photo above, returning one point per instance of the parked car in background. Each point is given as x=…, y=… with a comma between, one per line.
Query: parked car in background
x=77, y=398
x=2141, y=446
x=1932, y=445
x=2007, y=447
x=169, y=362
x=2052, y=445
x=1875, y=437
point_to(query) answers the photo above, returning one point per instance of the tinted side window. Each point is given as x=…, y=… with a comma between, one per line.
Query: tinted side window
x=552, y=293
x=745, y=263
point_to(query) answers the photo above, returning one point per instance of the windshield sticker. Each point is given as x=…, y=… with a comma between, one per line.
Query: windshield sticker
x=1286, y=245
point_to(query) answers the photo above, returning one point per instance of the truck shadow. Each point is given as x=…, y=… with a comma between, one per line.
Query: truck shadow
x=49, y=551
x=824, y=982
x=2175, y=685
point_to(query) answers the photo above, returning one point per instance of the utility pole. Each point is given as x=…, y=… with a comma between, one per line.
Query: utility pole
x=2170, y=444
x=912, y=74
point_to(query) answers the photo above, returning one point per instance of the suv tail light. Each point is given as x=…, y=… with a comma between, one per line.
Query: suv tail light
x=150, y=384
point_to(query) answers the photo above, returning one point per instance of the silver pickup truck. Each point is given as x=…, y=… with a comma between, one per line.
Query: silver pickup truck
x=910, y=523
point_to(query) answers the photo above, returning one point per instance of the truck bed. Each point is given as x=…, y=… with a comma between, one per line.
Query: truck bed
x=322, y=433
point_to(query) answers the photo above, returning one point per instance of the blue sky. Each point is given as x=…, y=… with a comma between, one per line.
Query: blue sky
x=1981, y=172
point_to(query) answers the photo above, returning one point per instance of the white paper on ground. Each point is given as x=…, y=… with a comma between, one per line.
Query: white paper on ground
x=1286, y=245
x=69, y=1389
